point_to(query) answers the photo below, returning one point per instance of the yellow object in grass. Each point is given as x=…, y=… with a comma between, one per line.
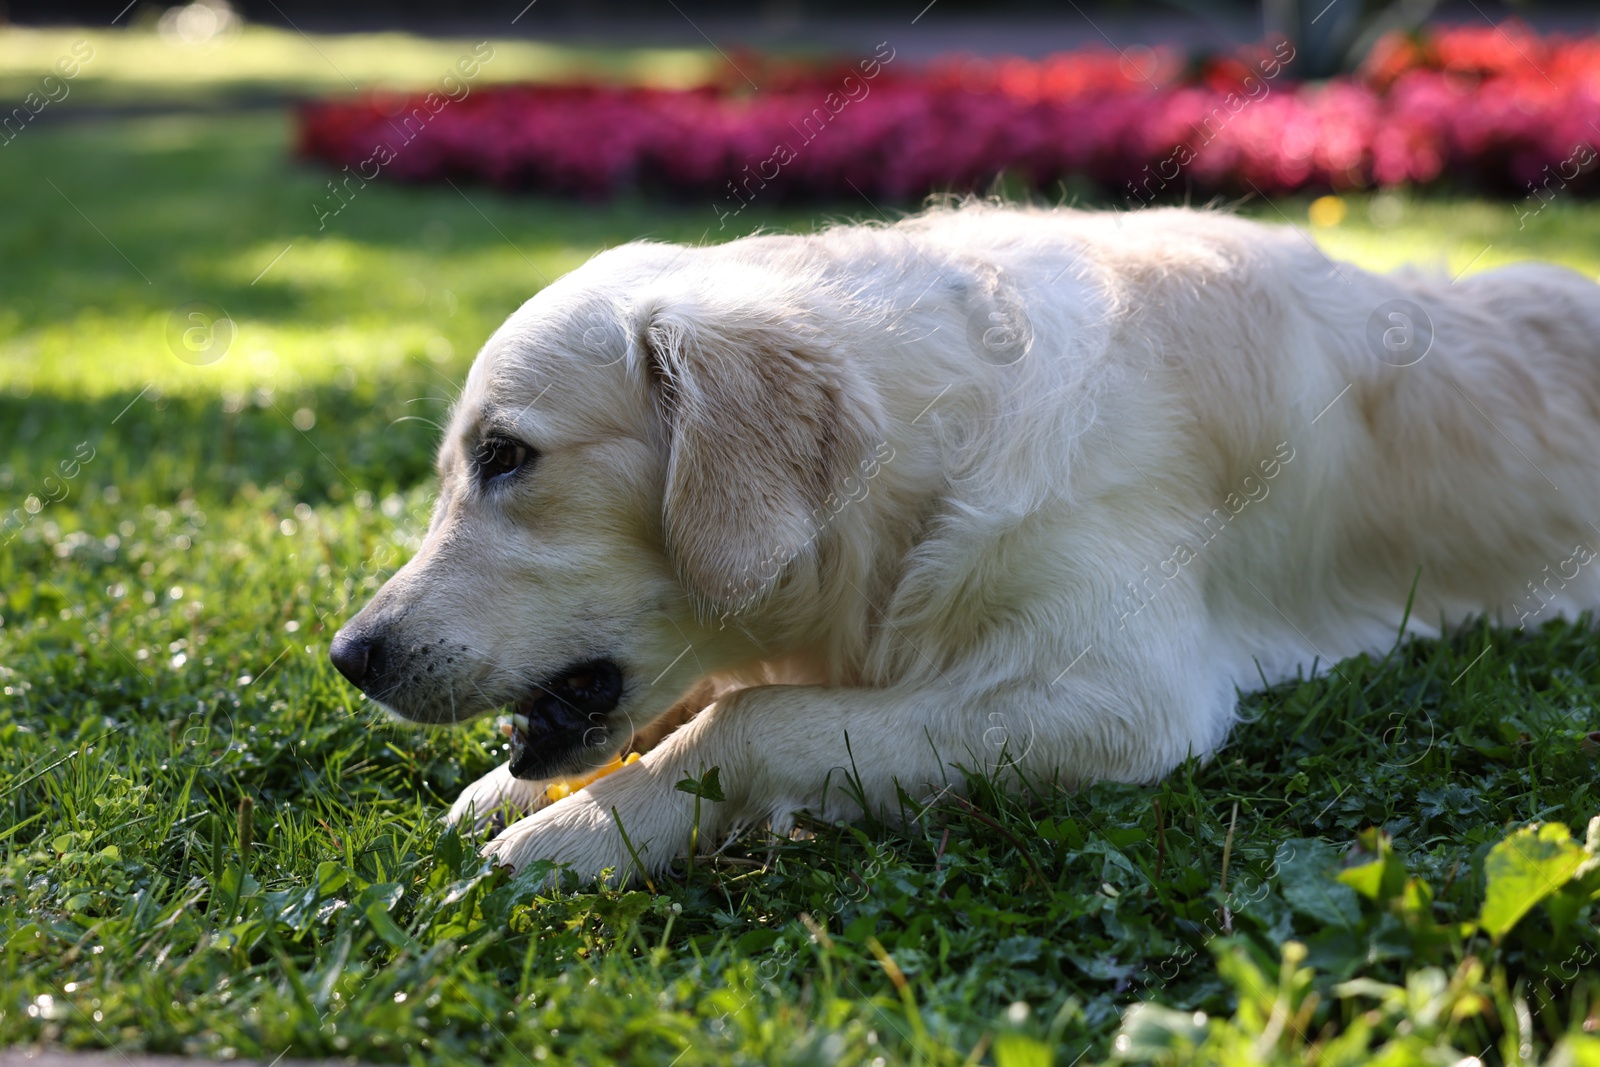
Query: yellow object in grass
x=1327, y=211
x=568, y=786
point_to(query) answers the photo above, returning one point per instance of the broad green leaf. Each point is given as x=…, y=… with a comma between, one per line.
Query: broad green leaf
x=385, y=927
x=709, y=787
x=331, y=877
x=1012, y=1049
x=1383, y=876
x=1577, y=1050
x=1306, y=871
x=1524, y=869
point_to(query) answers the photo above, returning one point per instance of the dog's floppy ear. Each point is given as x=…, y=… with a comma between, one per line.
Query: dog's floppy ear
x=764, y=424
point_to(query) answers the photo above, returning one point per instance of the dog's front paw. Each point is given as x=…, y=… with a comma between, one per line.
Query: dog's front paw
x=495, y=801
x=607, y=831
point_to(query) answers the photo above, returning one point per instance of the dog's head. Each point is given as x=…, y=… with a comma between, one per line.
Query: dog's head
x=634, y=469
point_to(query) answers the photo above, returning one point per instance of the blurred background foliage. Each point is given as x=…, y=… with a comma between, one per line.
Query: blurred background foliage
x=1332, y=35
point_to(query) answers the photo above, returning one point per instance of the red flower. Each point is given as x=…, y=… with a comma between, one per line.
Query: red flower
x=1495, y=106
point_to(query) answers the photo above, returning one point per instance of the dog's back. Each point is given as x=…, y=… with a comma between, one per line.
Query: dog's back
x=1443, y=433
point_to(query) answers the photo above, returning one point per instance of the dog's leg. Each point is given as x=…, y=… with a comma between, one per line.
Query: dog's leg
x=699, y=698
x=495, y=801
x=782, y=749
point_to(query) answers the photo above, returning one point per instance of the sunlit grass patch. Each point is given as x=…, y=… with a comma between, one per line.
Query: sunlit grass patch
x=1386, y=231
x=142, y=66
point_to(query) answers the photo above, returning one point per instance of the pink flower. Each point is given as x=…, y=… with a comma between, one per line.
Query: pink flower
x=1493, y=107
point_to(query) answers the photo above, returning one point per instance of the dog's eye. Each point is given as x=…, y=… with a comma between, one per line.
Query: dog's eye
x=497, y=457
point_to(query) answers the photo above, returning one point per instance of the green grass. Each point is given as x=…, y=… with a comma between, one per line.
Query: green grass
x=162, y=661
x=140, y=66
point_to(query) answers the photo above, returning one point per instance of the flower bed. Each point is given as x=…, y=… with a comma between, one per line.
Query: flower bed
x=1497, y=108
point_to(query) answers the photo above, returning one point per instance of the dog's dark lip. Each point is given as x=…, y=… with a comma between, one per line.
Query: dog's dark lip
x=564, y=714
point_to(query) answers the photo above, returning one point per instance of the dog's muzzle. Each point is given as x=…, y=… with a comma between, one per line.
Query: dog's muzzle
x=566, y=714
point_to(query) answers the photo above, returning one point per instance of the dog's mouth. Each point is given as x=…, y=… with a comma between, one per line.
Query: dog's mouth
x=565, y=714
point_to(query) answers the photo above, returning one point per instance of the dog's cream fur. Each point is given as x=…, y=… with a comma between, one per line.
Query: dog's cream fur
x=1027, y=493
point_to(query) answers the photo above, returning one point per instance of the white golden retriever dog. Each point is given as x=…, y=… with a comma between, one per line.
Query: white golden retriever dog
x=1026, y=493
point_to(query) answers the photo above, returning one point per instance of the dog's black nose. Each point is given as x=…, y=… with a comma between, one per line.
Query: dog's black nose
x=351, y=653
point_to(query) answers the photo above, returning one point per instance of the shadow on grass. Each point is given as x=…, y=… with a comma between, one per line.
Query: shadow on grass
x=143, y=214
x=156, y=448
